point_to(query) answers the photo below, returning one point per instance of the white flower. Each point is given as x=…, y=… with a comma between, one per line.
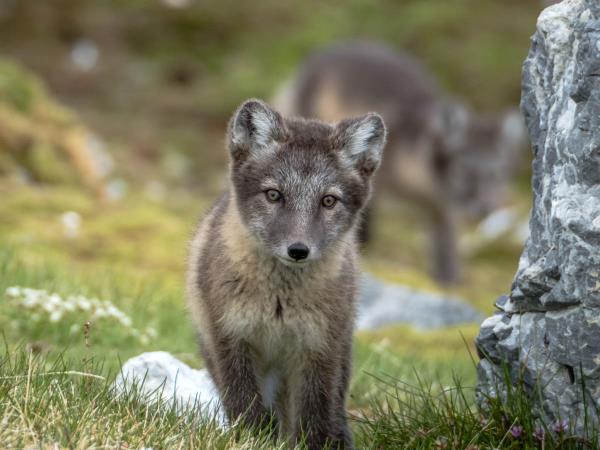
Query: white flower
x=151, y=332
x=112, y=311
x=55, y=316
x=55, y=300
x=53, y=308
x=48, y=307
x=70, y=304
x=32, y=296
x=71, y=222
x=125, y=321
x=100, y=313
x=29, y=302
x=51, y=304
x=84, y=304
x=13, y=291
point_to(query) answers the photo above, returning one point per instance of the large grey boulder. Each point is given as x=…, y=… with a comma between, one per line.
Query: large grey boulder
x=547, y=331
x=382, y=304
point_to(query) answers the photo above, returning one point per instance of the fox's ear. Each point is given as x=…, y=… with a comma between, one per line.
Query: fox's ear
x=253, y=128
x=361, y=142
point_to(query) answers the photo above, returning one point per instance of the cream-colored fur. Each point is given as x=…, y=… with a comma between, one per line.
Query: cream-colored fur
x=274, y=320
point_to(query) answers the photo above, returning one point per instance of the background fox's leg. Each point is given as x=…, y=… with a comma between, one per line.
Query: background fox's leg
x=446, y=265
x=442, y=222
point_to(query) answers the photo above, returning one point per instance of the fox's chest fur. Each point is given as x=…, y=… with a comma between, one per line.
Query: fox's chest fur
x=278, y=312
x=284, y=314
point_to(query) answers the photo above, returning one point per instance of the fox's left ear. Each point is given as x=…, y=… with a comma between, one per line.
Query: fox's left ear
x=361, y=141
x=253, y=129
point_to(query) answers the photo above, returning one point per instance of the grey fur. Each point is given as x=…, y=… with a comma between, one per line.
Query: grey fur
x=441, y=156
x=276, y=335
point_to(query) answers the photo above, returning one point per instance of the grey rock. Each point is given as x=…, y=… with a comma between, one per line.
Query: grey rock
x=574, y=339
x=487, y=341
x=490, y=383
x=503, y=303
x=160, y=377
x=382, y=304
x=548, y=330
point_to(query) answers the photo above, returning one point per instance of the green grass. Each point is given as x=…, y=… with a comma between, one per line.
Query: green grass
x=422, y=416
x=71, y=404
x=57, y=402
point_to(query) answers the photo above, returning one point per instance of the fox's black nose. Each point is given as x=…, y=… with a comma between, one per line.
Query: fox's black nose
x=298, y=251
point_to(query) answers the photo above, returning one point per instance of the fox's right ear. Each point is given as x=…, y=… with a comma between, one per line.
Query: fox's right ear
x=253, y=129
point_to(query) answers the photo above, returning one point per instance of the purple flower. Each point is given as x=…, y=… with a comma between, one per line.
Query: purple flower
x=560, y=426
x=516, y=431
x=539, y=433
x=441, y=443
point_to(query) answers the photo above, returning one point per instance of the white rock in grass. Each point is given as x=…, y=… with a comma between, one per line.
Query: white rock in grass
x=71, y=222
x=161, y=375
x=85, y=54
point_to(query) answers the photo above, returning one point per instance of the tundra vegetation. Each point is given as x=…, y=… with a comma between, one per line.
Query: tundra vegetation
x=84, y=284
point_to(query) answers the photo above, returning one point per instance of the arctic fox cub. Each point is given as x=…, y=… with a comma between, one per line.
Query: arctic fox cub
x=273, y=272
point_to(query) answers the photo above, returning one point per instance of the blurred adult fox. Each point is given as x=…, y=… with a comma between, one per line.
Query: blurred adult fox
x=272, y=274
x=440, y=156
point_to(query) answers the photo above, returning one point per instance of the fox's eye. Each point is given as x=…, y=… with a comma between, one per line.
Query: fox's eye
x=273, y=195
x=329, y=201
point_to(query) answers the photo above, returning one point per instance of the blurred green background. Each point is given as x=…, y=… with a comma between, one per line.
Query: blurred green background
x=148, y=87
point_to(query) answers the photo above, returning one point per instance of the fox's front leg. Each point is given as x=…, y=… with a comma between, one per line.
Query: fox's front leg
x=318, y=401
x=240, y=394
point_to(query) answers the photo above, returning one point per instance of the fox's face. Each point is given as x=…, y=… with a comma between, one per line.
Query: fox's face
x=300, y=185
x=479, y=154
